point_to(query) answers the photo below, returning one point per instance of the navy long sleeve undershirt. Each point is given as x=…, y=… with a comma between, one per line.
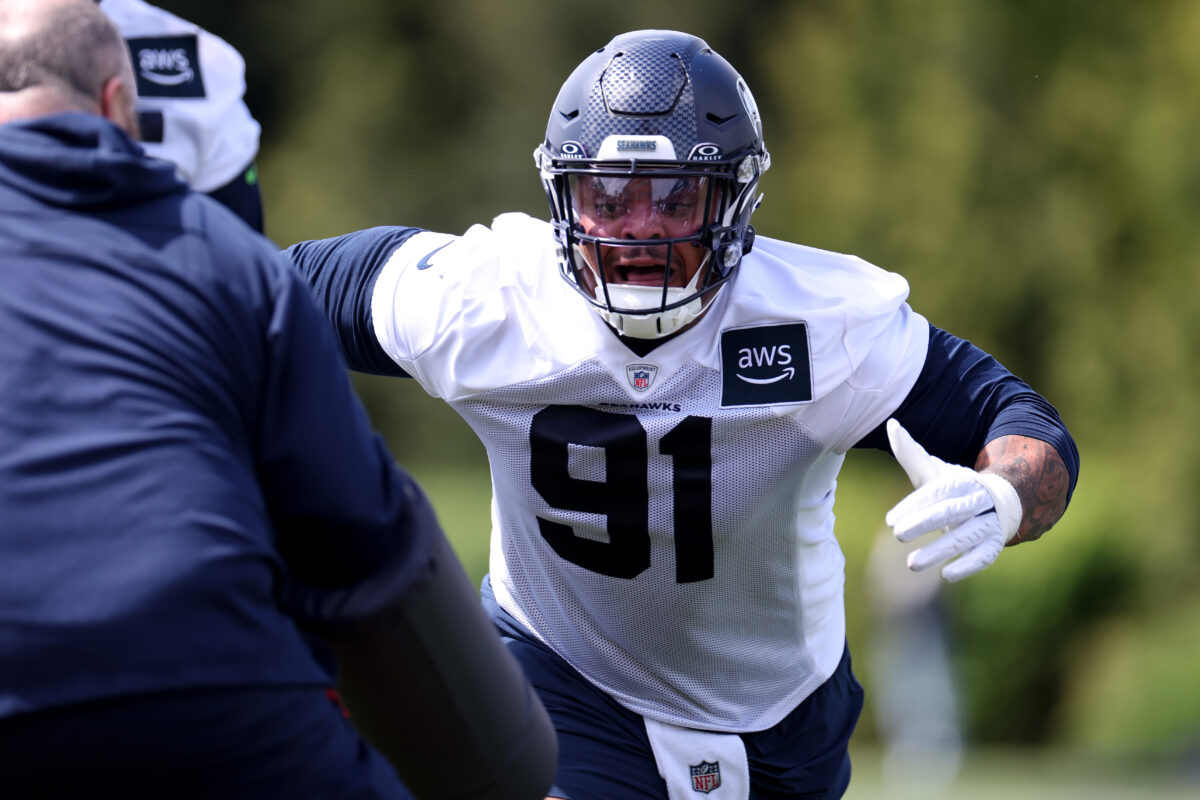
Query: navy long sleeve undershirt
x=342, y=273
x=964, y=398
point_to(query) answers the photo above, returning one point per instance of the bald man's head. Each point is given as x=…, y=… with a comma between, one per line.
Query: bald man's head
x=63, y=55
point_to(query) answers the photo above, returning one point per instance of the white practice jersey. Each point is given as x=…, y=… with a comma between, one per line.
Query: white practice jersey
x=664, y=523
x=192, y=83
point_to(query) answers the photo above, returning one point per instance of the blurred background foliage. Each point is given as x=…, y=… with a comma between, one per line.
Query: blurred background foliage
x=1030, y=166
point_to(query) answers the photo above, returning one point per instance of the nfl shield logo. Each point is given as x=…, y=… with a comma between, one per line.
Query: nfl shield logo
x=706, y=776
x=641, y=376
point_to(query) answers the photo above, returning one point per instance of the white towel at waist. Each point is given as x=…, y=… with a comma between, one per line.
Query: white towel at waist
x=700, y=764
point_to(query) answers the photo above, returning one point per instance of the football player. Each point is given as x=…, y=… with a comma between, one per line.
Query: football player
x=666, y=400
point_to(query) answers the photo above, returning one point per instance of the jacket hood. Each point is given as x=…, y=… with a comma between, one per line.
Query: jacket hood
x=80, y=161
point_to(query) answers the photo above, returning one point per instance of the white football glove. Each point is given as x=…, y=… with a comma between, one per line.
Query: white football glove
x=976, y=512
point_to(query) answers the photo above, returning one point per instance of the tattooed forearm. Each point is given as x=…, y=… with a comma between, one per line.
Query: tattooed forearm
x=1039, y=475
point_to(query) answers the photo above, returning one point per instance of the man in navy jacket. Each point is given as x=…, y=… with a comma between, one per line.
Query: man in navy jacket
x=189, y=490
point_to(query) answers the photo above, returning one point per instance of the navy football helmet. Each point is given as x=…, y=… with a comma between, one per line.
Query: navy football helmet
x=651, y=164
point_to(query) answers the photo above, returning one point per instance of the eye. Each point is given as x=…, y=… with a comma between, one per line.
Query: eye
x=680, y=199
x=608, y=207
x=676, y=207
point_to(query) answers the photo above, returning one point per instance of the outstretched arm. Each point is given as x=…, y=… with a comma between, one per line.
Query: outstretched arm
x=967, y=410
x=341, y=273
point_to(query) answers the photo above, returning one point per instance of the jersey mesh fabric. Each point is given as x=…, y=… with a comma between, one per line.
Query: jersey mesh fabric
x=728, y=652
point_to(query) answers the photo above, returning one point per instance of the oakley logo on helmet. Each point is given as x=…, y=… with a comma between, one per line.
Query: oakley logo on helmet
x=571, y=150
x=705, y=152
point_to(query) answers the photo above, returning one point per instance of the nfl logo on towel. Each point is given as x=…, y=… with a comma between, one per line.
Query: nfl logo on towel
x=641, y=375
x=706, y=776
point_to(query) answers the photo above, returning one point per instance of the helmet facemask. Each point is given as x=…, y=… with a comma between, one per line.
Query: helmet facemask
x=630, y=234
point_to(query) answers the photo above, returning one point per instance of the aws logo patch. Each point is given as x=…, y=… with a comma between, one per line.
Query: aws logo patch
x=167, y=66
x=765, y=365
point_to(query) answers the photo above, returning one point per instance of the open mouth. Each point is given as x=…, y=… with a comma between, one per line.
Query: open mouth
x=640, y=266
x=640, y=274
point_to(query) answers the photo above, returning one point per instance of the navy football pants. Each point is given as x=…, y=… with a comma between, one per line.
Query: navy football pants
x=604, y=752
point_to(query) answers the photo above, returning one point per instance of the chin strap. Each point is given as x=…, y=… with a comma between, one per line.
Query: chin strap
x=652, y=324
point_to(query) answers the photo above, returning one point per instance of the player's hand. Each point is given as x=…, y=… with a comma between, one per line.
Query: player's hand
x=975, y=512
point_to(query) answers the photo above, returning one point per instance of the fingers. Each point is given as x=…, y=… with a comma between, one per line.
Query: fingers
x=949, y=501
x=974, y=561
x=956, y=542
x=918, y=465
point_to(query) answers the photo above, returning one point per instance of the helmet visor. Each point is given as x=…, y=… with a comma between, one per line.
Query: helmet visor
x=641, y=207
